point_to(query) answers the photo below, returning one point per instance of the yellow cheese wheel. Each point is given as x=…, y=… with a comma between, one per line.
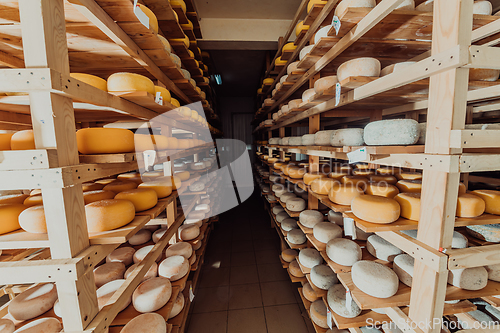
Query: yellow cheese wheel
x=142, y=198
x=13, y=199
x=184, y=40
x=153, y=21
x=410, y=205
x=132, y=176
x=5, y=141
x=165, y=94
x=143, y=142
x=162, y=188
x=22, y=140
x=272, y=160
x=300, y=27
x=92, y=187
x=173, y=143
x=183, y=143
x=194, y=114
x=109, y=214
x=120, y=185
x=94, y=81
x=323, y=185
x=105, y=181
x=268, y=81
x=33, y=200
x=343, y=194
x=383, y=178
x=92, y=196
x=362, y=166
x=491, y=199
x=179, y=3
x=278, y=165
x=363, y=172
x=337, y=174
x=406, y=175
x=354, y=180
x=289, y=47
x=296, y=173
x=165, y=43
x=413, y=186
x=279, y=62
x=174, y=181
x=387, y=171
x=127, y=82
x=175, y=103
x=9, y=215
x=461, y=188
x=381, y=189
x=315, y=2
x=35, y=192
x=105, y=140
x=187, y=26
x=183, y=175
x=152, y=175
x=375, y=209
x=310, y=177
x=470, y=205
x=32, y=220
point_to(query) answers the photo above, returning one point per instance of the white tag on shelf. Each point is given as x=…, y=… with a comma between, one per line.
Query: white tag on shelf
x=329, y=318
x=158, y=98
x=149, y=158
x=348, y=226
x=348, y=299
x=336, y=24
x=338, y=90
x=357, y=155
x=143, y=18
x=191, y=293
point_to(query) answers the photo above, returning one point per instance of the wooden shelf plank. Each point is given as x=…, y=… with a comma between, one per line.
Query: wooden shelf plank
x=346, y=269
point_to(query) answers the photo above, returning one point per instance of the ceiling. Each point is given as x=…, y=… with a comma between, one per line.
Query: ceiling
x=247, y=9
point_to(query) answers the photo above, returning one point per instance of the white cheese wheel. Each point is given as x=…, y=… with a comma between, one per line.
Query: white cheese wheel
x=295, y=141
x=483, y=74
x=323, y=32
x=151, y=273
x=7, y=326
x=124, y=255
x=273, y=141
x=282, y=216
x=323, y=277
x=289, y=255
x=108, y=272
x=196, y=215
x=277, y=210
x=326, y=231
x=188, y=232
x=141, y=237
x=309, y=218
x=284, y=142
x=336, y=298
x=107, y=291
x=198, y=222
x=325, y=83
x=140, y=254
x=374, y=279
x=178, y=306
x=382, y=249
x=275, y=116
x=179, y=249
x=309, y=292
x=296, y=204
x=287, y=196
x=347, y=137
x=308, y=139
x=359, y=67
x=308, y=95
x=289, y=224
x=43, y=325
x=343, y=251
x=474, y=278
x=482, y=7
x=294, y=104
x=283, y=79
x=174, y=268
x=33, y=302
x=344, y=4
x=392, y=132
x=493, y=272
x=146, y=323
x=323, y=138
x=152, y=294
x=296, y=236
x=197, y=244
x=310, y=257
x=294, y=269
x=305, y=51
x=158, y=234
x=395, y=67
x=403, y=267
x=285, y=109
x=318, y=313
x=335, y=217
x=293, y=68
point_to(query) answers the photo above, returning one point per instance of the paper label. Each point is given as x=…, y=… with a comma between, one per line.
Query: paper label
x=348, y=299
x=329, y=319
x=149, y=158
x=357, y=155
x=348, y=226
x=159, y=98
x=336, y=24
x=338, y=90
x=143, y=18
x=191, y=293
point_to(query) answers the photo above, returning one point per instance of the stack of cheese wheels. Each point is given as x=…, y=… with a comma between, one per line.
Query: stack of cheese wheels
x=142, y=198
x=9, y=215
x=343, y=194
x=33, y=302
x=109, y=214
x=323, y=185
x=124, y=255
x=374, y=279
x=343, y=251
x=146, y=323
x=358, y=67
x=410, y=205
x=105, y=140
x=375, y=209
x=392, y=132
x=108, y=272
x=23, y=140
x=174, y=268
x=152, y=294
x=382, y=249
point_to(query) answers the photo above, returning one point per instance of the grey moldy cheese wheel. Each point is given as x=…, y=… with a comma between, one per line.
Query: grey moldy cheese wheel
x=488, y=232
x=296, y=236
x=459, y=241
x=124, y=255
x=335, y=217
x=309, y=218
x=277, y=210
x=392, y=132
x=287, y=196
x=151, y=273
x=318, y=313
x=108, y=272
x=296, y=204
x=196, y=187
x=152, y=294
x=174, y=268
x=403, y=267
x=146, y=323
x=294, y=269
x=273, y=141
x=323, y=277
x=188, y=232
x=347, y=137
x=141, y=237
x=323, y=138
x=336, y=298
x=374, y=279
x=289, y=255
x=326, y=231
x=289, y=224
x=309, y=292
x=7, y=326
x=107, y=291
x=474, y=278
x=382, y=249
x=279, y=192
x=343, y=251
x=178, y=306
x=33, y=302
x=43, y=325
x=284, y=142
x=310, y=257
x=295, y=141
x=493, y=272
x=179, y=249
x=282, y=216
x=308, y=140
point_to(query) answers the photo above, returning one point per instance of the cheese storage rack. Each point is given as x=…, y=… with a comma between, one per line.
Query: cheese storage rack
x=459, y=41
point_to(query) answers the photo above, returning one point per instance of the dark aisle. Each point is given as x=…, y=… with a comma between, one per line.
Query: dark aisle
x=243, y=287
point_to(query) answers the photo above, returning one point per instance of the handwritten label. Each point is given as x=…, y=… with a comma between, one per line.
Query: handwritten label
x=357, y=155
x=336, y=24
x=158, y=98
x=143, y=18
x=348, y=300
x=191, y=293
x=149, y=158
x=338, y=90
x=329, y=319
x=348, y=226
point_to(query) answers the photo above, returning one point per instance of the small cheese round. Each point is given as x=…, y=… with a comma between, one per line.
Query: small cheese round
x=42, y=325
x=32, y=220
x=343, y=194
x=9, y=215
x=33, y=302
x=375, y=209
x=470, y=205
x=381, y=189
x=289, y=224
x=410, y=186
x=25, y=140
x=388, y=179
x=305, y=51
x=92, y=196
x=162, y=188
x=118, y=186
x=309, y=218
x=403, y=267
x=141, y=254
x=294, y=104
x=493, y=272
x=296, y=236
x=308, y=95
x=129, y=82
x=293, y=67
x=474, y=278
x=289, y=255
x=407, y=175
x=152, y=294
x=124, y=255
x=343, y=251
x=7, y=326
x=282, y=216
x=323, y=277
x=146, y=323
x=277, y=210
x=33, y=200
x=174, y=268
x=336, y=298
x=323, y=185
x=374, y=279
x=296, y=204
x=318, y=313
x=296, y=173
x=108, y=272
x=359, y=181
x=308, y=139
x=141, y=237
x=294, y=269
x=335, y=217
x=151, y=273
x=409, y=204
x=396, y=67
x=188, y=232
x=178, y=306
x=295, y=141
x=326, y=231
x=287, y=196
x=179, y=249
x=323, y=138
x=13, y=199
x=480, y=74
x=382, y=249
x=347, y=137
x=491, y=199
x=309, y=292
x=105, y=140
x=109, y=214
x=392, y=132
x=310, y=257
x=325, y=83
x=5, y=141
x=359, y=67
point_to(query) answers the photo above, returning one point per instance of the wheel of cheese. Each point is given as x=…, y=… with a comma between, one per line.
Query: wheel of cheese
x=196, y=187
x=142, y=198
x=293, y=68
x=479, y=74
x=33, y=200
x=183, y=175
x=23, y=140
x=289, y=224
x=347, y=137
x=363, y=172
x=323, y=277
x=10, y=214
x=197, y=222
x=108, y=272
x=109, y=214
x=388, y=179
x=33, y=302
x=326, y=231
x=321, y=33
x=382, y=189
x=410, y=186
x=92, y=80
x=118, y=186
x=305, y=51
x=338, y=175
x=318, y=313
x=315, y=2
x=406, y=175
x=309, y=177
x=310, y=257
x=280, y=217
x=273, y=141
x=308, y=95
x=141, y=254
x=179, y=249
x=163, y=188
x=43, y=325
x=343, y=251
x=395, y=67
x=105, y=140
x=474, y=278
x=5, y=142
x=130, y=82
x=151, y=273
x=277, y=210
x=13, y=199
x=146, y=323
x=285, y=77
x=308, y=139
x=174, y=268
x=178, y=306
x=323, y=186
x=386, y=171
x=7, y=326
x=410, y=205
x=296, y=236
x=403, y=267
x=374, y=279
x=123, y=254
x=31, y=219
x=287, y=196
x=92, y=196
x=294, y=269
x=309, y=218
x=491, y=199
x=382, y=249
x=375, y=209
x=393, y=132
x=188, y=232
x=141, y=237
x=309, y=292
x=296, y=173
x=152, y=294
x=289, y=255
x=470, y=205
x=359, y=181
x=358, y=67
x=325, y=83
x=343, y=194
x=482, y=7
x=323, y=138
x=493, y=272
x=344, y=4
x=335, y=217
x=336, y=298
x=295, y=141
x=280, y=62
x=294, y=104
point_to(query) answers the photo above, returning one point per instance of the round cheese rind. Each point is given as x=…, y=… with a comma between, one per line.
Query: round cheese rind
x=323, y=277
x=482, y=7
x=296, y=173
x=347, y=137
x=323, y=32
x=309, y=292
x=109, y=214
x=146, y=323
x=129, y=82
x=151, y=273
x=152, y=294
x=158, y=234
x=33, y=302
x=403, y=267
x=323, y=138
x=409, y=204
x=335, y=217
x=382, y=189
x=9, y=215
x=178, y=306
x=491, y=199
x=174, y=268
x=108, y=272
x=282, y=216
x=493, y=272
x=308, y=139
x=409, y=186
x=326, y=231
x=124, y=255
x=325, y=83
x=179, y=249
x=391, y=132
x=308, y=95
x=118, y=186
x=277, y=209
x=343, y=194
x=294, y=269
x=42, y=325
x=323, y=185
x=396, y=67
x=7, y=326
x=382, y=249
x=93, y=196
x=5, y=141
x=305, y=51
x=92, y=80
x=309, y=218
x=289, y=255
x=474, y=278
x=24, y=140
x=310, y=257
x=105, y=140
x=343, y=251
x=287, y=196
x=162, y=188
x=375, y=209
x=358, y=67
x=32, y=220
x=470, y=205
x=296, y=204
x=296, y=236
x=408, y=175
x=188, y=232
x=374, y=279
x=141, y=254
x=318, y=313
x=13, y=199
x=289, y=224
x=295, y=141
x=336, y=298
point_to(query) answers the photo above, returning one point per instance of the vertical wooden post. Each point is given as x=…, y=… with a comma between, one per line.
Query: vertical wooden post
x=314, y=126
x=447, y=104
x=282, y=135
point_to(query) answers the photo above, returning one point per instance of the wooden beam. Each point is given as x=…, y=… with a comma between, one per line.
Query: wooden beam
x=10, y=60
x=15, y=118
x=476, y=256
